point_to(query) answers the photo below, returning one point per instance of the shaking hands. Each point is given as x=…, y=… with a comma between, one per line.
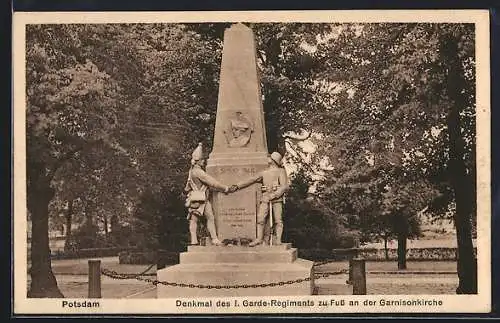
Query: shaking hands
x=231, y=189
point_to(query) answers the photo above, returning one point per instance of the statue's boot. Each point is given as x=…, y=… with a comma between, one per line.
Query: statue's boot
x=254, y=243
x=260, y=236
x=213, y=233
x=216, y=242
x=279, y=233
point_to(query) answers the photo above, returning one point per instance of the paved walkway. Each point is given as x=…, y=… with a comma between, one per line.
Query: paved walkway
x=75, y=286
x=80, y=266
x=72, y=279
x=390, y=285
x=425, y=277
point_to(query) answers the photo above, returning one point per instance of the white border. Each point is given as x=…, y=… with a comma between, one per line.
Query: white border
x=451, y=303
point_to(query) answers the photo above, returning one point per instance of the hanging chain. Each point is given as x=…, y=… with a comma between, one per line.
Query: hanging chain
x=115, y=275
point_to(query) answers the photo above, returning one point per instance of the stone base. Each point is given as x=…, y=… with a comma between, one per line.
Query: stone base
x=237, y=265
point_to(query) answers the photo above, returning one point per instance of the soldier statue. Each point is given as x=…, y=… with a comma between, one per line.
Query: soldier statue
x=274, y=185
x=197, y=201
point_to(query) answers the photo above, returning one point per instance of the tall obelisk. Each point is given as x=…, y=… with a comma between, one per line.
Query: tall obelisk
x=239, y=151
x=239, y=147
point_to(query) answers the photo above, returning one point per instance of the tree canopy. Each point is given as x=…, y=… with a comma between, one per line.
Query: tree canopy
x=378, y=120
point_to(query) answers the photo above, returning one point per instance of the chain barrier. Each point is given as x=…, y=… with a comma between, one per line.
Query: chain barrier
x=324, y=262
x=115, y=275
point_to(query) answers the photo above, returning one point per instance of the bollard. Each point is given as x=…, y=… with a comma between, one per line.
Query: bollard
x=356, y=255
x=349, y=281
x=358, y=276
x=94, y=279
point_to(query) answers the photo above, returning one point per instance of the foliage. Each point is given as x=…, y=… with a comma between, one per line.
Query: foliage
x=387, y=128
x=110, y=113
x=159, y=222
x=87, y=236
x=114, y=110
x=287, y=70
x=309, y=223
x=405, y=105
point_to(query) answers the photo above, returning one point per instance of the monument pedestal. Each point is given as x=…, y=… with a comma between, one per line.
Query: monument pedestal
x=237, y=265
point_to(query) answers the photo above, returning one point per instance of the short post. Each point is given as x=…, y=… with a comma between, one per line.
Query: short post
x=358, y=276
x=94, y=279
x=355, y=256
x=349, y=280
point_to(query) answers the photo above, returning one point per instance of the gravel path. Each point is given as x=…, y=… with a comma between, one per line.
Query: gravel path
x=75, y=286
x=383, y=278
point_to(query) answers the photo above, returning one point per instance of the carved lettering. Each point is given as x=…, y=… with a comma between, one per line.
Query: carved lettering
x=237, y=215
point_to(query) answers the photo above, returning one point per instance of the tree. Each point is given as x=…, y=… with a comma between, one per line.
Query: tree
x=287, y=68
x=403, y=203
x=104, y=102
x=308, y=222
x=458, y=90
x=62, y=122
x=410, y=91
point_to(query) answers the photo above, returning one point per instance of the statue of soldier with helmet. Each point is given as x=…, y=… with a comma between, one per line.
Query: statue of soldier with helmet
x=274, y=185
x=198, y=203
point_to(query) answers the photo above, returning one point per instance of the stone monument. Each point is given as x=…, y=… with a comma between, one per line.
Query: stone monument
x=239, y=152
x=239, y=146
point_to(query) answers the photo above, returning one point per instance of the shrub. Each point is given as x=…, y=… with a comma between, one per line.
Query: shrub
x=86, y=237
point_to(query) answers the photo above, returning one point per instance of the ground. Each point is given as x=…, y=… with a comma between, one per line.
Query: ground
x=425, y=277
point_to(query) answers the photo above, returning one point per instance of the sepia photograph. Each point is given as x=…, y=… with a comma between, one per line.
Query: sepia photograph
x=251, y=162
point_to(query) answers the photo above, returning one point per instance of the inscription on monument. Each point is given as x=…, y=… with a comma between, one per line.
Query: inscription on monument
x=237, y=215
x=233, y=171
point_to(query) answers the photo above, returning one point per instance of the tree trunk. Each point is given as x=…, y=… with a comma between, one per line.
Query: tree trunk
x=115, y=228
x=402, y=251
x=105, y=223
x=69, y=223
x=385, y=248
x=114, y=224
x=107, y=237
x=275, y=141
x=43, y=281
x=88, y=217
x=457, y=171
